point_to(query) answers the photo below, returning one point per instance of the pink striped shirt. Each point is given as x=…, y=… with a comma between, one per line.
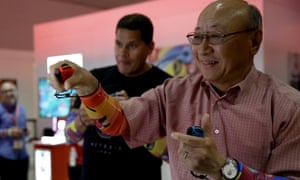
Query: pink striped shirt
x=256, y=122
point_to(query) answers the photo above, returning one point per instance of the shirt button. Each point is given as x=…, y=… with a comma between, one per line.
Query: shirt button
x=217, y=131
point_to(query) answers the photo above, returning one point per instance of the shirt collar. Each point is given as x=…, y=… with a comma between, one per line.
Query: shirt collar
x=235, y=90
x=246, y=84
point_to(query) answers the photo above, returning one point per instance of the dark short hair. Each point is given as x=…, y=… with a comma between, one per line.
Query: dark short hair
x=255, y=18
x=138, y=22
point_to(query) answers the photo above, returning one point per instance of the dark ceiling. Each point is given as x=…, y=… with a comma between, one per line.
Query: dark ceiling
x=19, y=16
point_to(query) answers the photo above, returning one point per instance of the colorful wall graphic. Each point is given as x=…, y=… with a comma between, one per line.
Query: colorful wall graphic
x=175, y=60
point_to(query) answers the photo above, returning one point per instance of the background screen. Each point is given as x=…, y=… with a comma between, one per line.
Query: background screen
x=49, y=105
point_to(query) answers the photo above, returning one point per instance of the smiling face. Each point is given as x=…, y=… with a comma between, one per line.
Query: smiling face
x=131, y=52
x=228, y=62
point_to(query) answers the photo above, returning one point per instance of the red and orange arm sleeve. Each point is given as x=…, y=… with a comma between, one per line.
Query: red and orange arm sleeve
x=107, y=112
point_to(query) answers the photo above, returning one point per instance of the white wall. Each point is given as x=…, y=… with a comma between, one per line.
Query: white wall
x=93, y=34
x=281, y=35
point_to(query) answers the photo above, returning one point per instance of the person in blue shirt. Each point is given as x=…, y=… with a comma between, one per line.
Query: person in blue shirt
x=13, y=153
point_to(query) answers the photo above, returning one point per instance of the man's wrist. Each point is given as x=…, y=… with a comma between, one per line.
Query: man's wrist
x=95, y=98
x=232, y=169
x=90, y=88
x=81, y=122
x=80, y=125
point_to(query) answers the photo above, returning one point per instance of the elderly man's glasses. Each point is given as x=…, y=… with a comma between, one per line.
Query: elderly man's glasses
x=212, y=38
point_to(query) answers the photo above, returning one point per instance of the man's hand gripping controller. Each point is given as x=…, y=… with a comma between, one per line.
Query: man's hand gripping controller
x=198, y=132
x=63, y=72
x=195, y=131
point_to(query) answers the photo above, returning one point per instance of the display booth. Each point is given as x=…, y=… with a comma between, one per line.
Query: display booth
x=52, y=155
x=51, y=161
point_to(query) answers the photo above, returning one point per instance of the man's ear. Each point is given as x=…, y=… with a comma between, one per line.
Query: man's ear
x=151, y=48
x=256, y=41
x=152, y=45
